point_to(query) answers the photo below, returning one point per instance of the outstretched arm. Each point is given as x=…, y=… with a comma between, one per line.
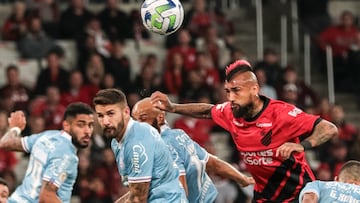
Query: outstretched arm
x=196, y=110
x=12, y=140
x=323, y=131
x=226, y=170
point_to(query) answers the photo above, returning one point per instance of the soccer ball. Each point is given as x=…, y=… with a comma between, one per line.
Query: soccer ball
x=162, y=16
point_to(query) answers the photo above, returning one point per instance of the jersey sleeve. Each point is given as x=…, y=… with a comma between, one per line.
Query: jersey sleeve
x=177, y=148
x=298, y=123
x=218, y=114
x=311, y=187
x=201, y=152
x=59, y=167
x=185, y=145
x=29, y=141
x=139, y=157
x=177, y=154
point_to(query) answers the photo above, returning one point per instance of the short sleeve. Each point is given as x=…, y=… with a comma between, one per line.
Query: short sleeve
x=201, y=152
x=311, y=187
x=299, y=123
x=59, y=167
x=139, y=157
x=178, y=156
x=29, y=141
x=218, y=114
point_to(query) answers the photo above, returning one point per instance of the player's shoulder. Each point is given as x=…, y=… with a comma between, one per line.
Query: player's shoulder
x=315, y=182
x=141, y=131
x=48, y=136
x=280, y=107
x=143, y=128
x=173, y=131
x=222, y=109
x=62, y=140
x=318, y=185
x=51, y=133
x=175, y=135
x=274, y=103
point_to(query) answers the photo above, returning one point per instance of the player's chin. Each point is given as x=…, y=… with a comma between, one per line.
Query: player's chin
x=235, y=109
x=109, y=133
x=84, y=142
x=84, y=145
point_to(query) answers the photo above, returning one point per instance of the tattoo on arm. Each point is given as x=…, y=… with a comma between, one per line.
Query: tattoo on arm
x=11, y=141
x=139, y=192
x=123, y=198
x=324, y=131
x=197, y=110
x=50, y=187
x=48, y=193
x=224, y=169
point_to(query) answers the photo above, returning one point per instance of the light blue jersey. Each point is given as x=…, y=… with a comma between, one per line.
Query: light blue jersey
x=333, y=191
x=53, y=159
x=142, y=156
x=191, y=159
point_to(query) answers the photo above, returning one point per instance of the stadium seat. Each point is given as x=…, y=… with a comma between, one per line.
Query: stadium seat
x=70, y=57
x=29, y=70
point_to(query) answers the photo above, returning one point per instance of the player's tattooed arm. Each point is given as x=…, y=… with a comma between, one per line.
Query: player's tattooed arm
x=323, y=132
x=139, y=192
x=11, y=140
x=48, y=193
x=124, y=198
x=226, y=170
x=197, y=110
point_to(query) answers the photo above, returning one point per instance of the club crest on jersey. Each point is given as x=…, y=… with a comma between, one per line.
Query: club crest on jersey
x=266, y=139
x=296, y=111
x=139, y=157
x=221, y=107
x=62, y=177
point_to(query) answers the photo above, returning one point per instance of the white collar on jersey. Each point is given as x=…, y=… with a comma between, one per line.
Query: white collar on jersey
x=164, y=127
x=128, y=127
x=68, y=137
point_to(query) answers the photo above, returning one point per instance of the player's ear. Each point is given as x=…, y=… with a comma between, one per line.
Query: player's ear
x=66, y=125
x=127, y=110
x=256, y=89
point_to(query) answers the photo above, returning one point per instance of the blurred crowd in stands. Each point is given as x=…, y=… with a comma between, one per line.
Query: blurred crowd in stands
x=193, y=71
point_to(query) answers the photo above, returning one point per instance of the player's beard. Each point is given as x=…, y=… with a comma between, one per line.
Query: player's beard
x=242, y=111
x=115, y=131
x=77, y=142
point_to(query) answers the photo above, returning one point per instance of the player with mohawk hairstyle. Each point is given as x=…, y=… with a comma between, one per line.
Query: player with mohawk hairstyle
x=235, y=67
x=271, y=135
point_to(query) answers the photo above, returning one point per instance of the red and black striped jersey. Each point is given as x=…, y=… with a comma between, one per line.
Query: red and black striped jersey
x=277, y=180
